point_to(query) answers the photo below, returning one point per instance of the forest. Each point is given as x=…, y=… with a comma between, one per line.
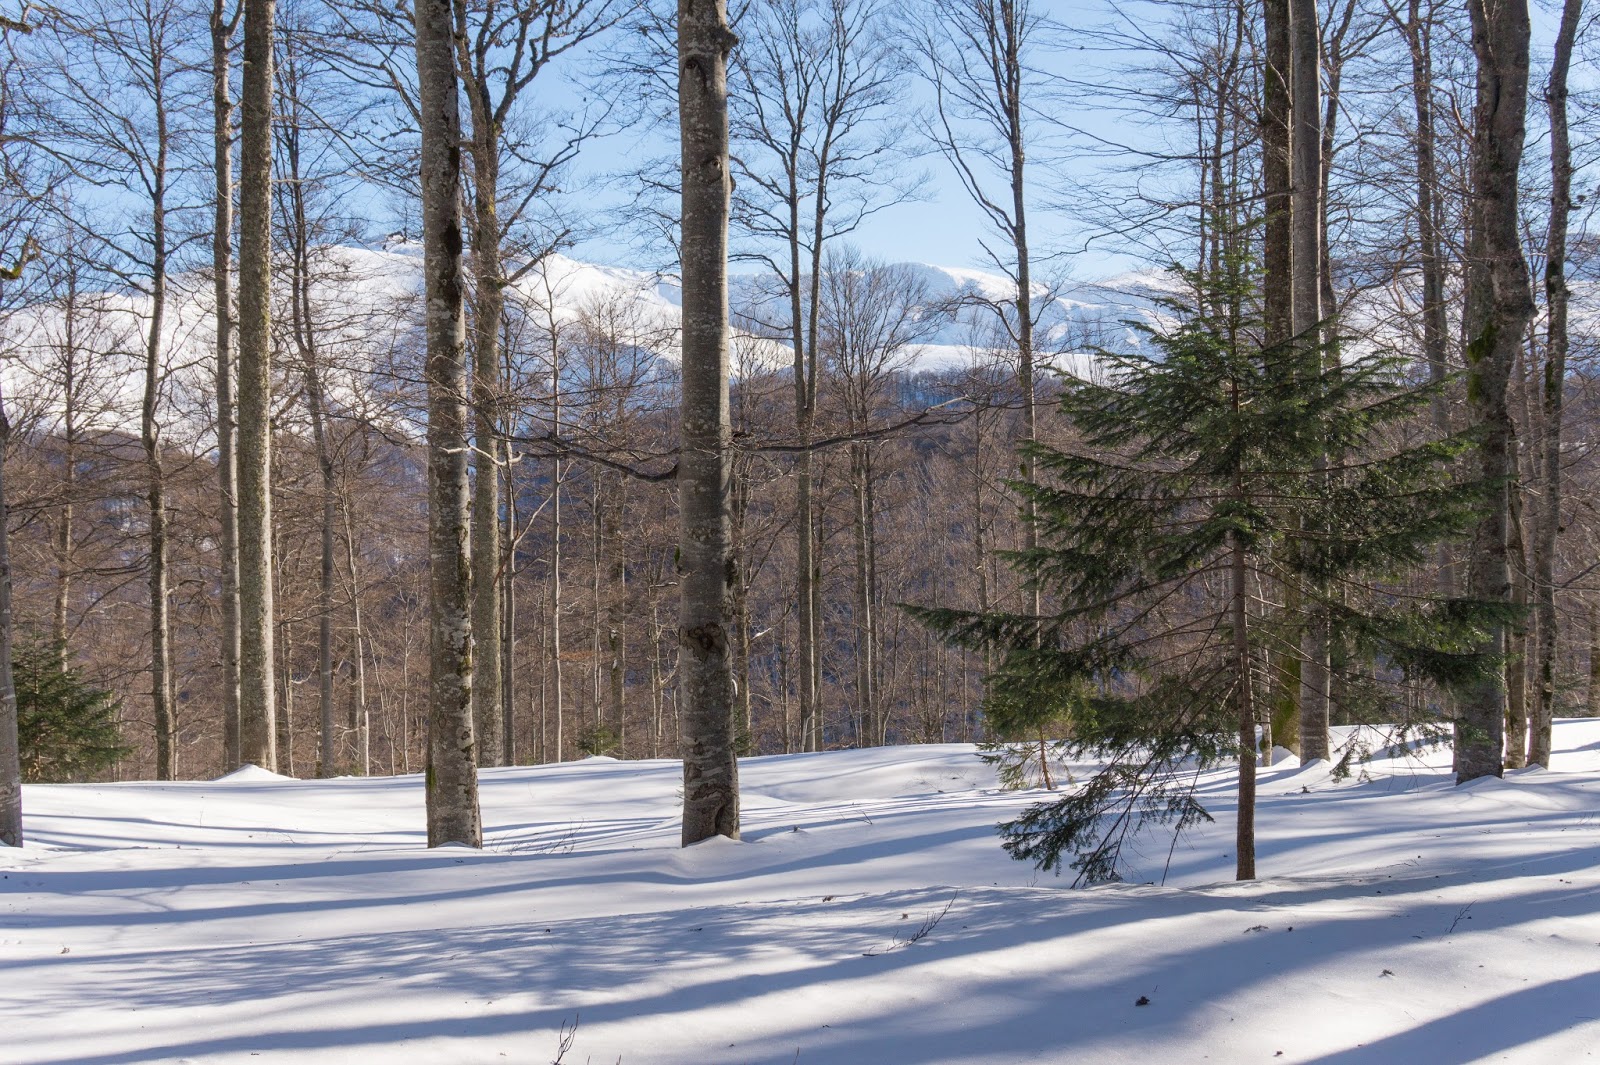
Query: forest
x=328, y=449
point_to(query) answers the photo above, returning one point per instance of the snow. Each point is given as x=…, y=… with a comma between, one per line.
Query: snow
x=255, y=918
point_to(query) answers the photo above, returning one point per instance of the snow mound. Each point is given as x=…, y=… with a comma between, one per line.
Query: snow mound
x=251, y=774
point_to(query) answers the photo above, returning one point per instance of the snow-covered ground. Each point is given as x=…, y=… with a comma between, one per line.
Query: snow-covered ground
x=1399, y=919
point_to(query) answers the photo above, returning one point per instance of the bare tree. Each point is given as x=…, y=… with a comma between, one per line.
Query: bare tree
x=257, y=683
x=873, y=315
x=223, y=28
x=10, y=752
x=1557, y=298
x=1306, y=313
x=18, y=248
x=503, y=46
x=705, y=684
x=292, y=191
x=1499, y=306
x=116, y=107
x=452, y=778
x=977, y=56
x=818, y=155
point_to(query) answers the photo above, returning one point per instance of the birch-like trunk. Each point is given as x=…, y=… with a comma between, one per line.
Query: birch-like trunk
x=155, y=475
x=555, y=670
x=508, y=615
x=257, y=686
x=452, y=779
x=705, y=677
x=227, y=472
x=1499, y=305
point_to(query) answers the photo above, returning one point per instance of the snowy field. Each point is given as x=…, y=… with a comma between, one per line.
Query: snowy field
x=1399, y=919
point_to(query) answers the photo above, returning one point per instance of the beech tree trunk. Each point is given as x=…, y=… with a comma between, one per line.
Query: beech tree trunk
x=155, y=483
x=1306, y=313
x=452, y=778
x=705, y=676
x=1277, y=282
x=257, y=684
x=1499, y=305
x=222, y=29
x=486, y=552
x=1557, y=296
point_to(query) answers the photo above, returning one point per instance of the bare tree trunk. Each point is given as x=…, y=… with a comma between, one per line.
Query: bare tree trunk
x=805, y=517
x=657, y=681
x=452, y=778
x=155, y=492
x=1245, y=829
x=705, y=679
x=222, y=29
x=508, y=616
x=1518, y=642
x=616, y=581
x=556, y=671
x=486, y=552
x=1593, y=700
x=596, y=637
x=359, y=723
x=284, y=647
x=10, y=751
x=1557, y=296
x=1499, y=306
x=1277, y=284
x=865, y=605
x=1306, y=284
x=69, y=470
x=257, y=690
x=328, y=761
x=1418, y=31
x=305, y=333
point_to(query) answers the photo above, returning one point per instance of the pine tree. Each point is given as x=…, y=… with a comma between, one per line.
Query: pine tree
x=1193, y=498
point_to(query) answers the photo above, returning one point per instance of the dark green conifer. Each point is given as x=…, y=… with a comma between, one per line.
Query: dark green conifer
x=1207, y=475
x=66, y=727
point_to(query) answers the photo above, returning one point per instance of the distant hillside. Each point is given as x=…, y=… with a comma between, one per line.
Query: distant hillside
x=365, y=311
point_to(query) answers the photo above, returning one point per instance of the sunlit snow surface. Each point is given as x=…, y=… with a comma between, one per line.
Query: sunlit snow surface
x=1399, y=919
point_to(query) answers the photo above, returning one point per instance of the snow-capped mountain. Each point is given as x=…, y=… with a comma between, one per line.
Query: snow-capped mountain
x=365, y=312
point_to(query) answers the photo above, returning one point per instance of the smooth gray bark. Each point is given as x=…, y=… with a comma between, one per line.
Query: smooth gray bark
x=705, y=684
x=452, y=778
x=1305, y=40
x=222, y=29
x=1557, y=297
x=257, y=665
x=1277, y=286
x=486, y=549
x=150, y=440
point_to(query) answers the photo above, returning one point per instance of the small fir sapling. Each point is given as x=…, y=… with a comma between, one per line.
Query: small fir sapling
x=1214, y=484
